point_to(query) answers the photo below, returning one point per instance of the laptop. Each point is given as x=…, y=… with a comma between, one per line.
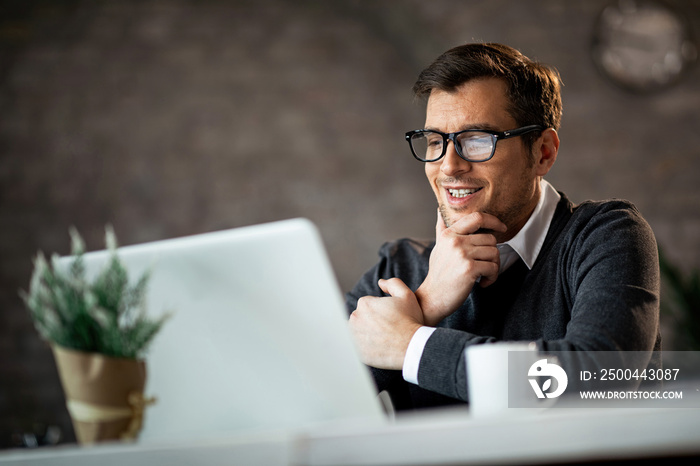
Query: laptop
x=258, y=336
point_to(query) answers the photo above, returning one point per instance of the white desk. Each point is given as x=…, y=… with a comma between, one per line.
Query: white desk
x=438, y=437
x=555, y=436
x=263, y=449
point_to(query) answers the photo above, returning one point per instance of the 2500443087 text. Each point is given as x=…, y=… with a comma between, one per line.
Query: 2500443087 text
x=629, y=374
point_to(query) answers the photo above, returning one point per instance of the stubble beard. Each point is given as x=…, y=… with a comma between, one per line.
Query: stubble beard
x=445, y=216
x=508, y=216
x=444, y=213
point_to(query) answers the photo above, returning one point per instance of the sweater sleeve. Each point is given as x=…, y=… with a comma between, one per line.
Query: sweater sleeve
x=604, y=275
x=612, y=272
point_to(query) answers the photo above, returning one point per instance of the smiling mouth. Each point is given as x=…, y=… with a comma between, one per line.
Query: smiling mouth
x=460, y=193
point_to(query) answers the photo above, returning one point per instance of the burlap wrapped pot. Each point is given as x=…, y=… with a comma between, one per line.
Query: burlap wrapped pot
x=104, y=395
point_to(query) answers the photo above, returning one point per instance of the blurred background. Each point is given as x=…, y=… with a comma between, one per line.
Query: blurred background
x=167, y=118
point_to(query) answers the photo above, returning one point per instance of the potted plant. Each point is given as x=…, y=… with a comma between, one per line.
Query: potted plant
x=98, y=331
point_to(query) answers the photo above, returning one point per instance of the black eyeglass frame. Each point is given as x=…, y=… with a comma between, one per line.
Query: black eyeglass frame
x=495, y=137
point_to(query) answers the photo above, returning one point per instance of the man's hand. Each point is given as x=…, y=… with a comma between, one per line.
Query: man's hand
x=383, y=326
x=461, y=255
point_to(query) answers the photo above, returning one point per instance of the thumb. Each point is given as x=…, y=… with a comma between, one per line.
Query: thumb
x=439, y=226
x=394, y=287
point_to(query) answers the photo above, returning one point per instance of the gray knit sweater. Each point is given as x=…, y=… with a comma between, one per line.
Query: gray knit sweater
x=594, y=287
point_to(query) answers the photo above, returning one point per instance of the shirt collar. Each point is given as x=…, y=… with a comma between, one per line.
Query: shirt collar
x=528, y=242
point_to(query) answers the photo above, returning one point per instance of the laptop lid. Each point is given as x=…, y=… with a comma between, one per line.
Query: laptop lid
x=258, y=336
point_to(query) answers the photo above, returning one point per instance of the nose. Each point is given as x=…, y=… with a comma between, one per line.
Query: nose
x=452, y=164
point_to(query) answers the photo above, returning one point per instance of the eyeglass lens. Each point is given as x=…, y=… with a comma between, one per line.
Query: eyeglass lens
x=475, y=146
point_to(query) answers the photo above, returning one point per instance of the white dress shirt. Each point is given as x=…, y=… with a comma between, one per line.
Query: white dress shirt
x=526, y=245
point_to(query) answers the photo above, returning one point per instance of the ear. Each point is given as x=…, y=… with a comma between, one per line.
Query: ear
x=545, y=151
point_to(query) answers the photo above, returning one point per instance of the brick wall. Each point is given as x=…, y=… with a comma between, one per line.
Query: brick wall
x=166, y=118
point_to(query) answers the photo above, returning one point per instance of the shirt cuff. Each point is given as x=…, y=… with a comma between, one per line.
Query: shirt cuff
x=414, y=352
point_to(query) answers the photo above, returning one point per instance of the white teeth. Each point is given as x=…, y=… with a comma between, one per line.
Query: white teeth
x=462, y=192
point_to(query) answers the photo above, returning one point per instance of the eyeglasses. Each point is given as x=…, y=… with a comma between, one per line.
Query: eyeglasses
x=473, y=145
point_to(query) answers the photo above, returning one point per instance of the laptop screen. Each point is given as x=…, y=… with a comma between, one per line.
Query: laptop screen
x=258, y=336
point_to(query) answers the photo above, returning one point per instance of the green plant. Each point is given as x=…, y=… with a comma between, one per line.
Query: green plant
x=104, y=316
x=681, y=303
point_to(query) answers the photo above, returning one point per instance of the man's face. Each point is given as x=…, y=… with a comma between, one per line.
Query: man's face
x=507, y=186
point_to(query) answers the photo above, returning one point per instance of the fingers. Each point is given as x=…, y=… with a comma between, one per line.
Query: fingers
x=382, y=327
x=482, y=240
x=490, y=274
x=464, y=252
x=395, y=287
x=477, y=221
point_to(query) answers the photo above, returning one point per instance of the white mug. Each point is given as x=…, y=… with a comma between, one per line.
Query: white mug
x=490, y=390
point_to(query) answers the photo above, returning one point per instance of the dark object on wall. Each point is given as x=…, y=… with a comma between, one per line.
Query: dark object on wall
x=642, y=45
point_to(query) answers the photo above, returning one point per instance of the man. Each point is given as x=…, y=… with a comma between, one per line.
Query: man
x=513, y=259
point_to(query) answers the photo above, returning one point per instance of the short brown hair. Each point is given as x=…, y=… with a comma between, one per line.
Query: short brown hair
x=533, y=88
